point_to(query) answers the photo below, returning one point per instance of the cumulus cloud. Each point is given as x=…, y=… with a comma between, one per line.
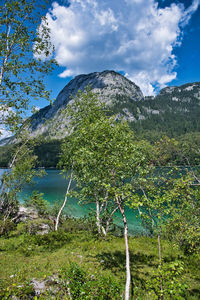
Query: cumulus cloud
x=4, y=133
x=4, y=112
x=133, y=36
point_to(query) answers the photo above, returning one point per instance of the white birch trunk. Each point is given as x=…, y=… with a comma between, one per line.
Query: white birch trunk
x=98, y=217
x=109, y=220
x=160, y=263
x=64, y=203
x=128, y=272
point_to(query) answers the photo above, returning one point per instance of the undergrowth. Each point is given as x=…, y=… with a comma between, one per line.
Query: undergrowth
x=76, y=264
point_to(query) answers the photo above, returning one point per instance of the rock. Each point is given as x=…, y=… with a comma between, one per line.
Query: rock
x=110, y=87
x=51, y=284
x=25, y=213
x=43, y=229
x=39, y=286
x=34, y=224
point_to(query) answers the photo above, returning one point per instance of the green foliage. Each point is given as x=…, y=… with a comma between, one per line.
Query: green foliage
x=52, y=240
x=34, y=226
x=34, y=244
x=37, y=202
x=101, y=259
x=6, y=226
x=17, y=287
x=166, y=152
x=172, y=288
x=81, y=285
x=76, y=278
x=21, y=171
x=6, y=154
x=184, y=223
x=102, y=154
x=24, y=36
x=48, y=153
x=175, y=118
x=70, y=283
x=189, y=145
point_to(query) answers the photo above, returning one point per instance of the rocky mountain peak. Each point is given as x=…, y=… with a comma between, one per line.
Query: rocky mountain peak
x=125, y=100
x=109, y=86
x=105, y=84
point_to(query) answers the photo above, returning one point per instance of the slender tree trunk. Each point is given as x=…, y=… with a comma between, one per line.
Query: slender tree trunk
x=98, y=217
x=104, y=231
x=64, y=203
x=128, y=272
x=109, y=220
x=8, y=28
x=3, y=188
x=159, y=250
x=160, y=263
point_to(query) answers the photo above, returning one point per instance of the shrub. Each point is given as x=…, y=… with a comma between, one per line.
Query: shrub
x=17, y=288
x=37, y=202
x=6, y=226
x=52, y=240
x=80, y=285
x=32, y=244
x=169, y=275
x=34, y=227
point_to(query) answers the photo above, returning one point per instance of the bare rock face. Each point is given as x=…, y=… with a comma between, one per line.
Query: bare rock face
x=26, y=214
x=110, y=87
x=125, y=100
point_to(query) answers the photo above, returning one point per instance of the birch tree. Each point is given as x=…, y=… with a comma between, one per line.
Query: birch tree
x=25, y=57
x=105, y=159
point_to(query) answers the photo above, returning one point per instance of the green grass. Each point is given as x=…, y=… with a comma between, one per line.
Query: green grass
x=20, y=254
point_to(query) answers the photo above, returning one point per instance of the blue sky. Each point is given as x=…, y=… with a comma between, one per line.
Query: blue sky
x=154, y=43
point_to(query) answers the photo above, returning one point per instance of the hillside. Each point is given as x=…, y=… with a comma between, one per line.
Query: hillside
x=174, y=111
x=110, y=87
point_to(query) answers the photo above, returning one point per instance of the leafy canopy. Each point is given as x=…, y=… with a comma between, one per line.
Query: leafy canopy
x=25, y=56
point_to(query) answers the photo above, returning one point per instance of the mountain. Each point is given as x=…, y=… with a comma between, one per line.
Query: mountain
x=110, y=87
x=174, y=111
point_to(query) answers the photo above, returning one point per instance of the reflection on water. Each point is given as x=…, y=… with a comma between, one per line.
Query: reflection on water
x=53, y=186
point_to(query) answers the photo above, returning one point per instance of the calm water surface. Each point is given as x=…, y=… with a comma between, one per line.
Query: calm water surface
x=54, y=186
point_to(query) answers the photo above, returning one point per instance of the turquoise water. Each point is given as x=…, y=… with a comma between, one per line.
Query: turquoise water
x=54, y=186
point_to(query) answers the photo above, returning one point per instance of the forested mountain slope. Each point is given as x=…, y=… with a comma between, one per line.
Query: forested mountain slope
x=174, y=111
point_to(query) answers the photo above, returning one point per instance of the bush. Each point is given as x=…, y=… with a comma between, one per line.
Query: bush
x=6, y=226
x=80, y=285
x=34, y=227
x=71, y=283
x=169, y=275
x=37, y=202
x=32, y=244
x=17, y=288
x=75, y=224
x=74, y=281
x=52, y=240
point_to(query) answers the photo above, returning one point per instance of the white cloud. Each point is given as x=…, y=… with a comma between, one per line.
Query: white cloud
x=4, y=113
x=134, y=36
x=4, y=133
x=189, y=11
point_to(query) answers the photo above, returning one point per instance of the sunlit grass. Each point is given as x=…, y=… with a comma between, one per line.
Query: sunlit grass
x=96, y=255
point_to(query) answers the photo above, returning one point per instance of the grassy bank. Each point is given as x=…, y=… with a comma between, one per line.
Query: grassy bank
x=24, y=257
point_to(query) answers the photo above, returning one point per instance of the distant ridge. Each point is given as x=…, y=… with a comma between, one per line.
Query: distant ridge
x=110, y=86
x=174, y=111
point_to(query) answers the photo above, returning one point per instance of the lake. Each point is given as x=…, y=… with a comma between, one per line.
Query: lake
x=54, y=186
